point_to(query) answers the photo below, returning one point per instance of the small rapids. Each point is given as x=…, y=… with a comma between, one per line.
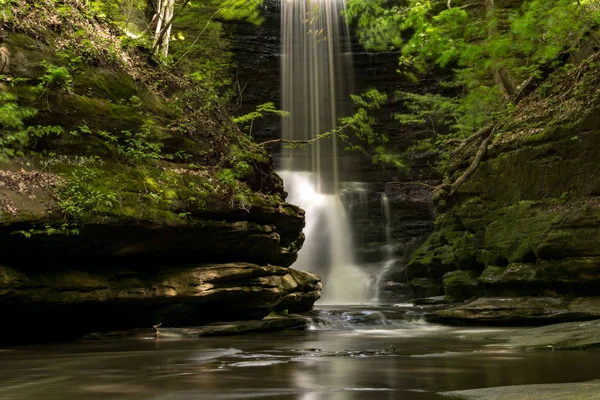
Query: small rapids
x=402, y=322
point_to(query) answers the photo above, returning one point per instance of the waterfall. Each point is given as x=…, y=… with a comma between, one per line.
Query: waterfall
x=390, y=259
x=316, y=83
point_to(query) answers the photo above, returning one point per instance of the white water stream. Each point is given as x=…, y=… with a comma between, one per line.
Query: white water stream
x=327, y=250
x=316, y=80
x=390, y=259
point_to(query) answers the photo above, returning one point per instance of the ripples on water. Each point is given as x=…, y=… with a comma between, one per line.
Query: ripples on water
x=353, y=353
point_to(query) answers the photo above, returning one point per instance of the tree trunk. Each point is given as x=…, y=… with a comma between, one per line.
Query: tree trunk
x=162, y=33
x=501, y=75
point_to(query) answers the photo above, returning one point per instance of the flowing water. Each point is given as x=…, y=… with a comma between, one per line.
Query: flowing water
x=316, y=67
x=327, y=250
x=316, y=79
x=390, y=256
x=350, y=353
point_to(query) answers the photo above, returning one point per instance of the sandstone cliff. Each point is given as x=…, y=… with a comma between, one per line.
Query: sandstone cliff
x=126, y=197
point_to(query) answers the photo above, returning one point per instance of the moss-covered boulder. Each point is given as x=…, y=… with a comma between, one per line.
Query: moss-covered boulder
x=461, y=284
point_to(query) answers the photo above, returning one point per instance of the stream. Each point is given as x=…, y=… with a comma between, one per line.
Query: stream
x=349, y=353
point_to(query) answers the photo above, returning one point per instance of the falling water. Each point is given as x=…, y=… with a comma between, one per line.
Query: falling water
x=390, y=259
x=316, y=80
x=327, y=250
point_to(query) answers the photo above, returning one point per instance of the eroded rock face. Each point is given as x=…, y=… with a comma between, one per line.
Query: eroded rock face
x=526, y=223
x=127, y=207
x=75, y=301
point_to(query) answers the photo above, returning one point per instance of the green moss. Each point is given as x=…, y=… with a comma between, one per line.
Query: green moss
x=121, y=191
x=97, y=112
x=491, y=274
x=114, y=86
x=21, y=40
x=289, y=210
x=461, y=284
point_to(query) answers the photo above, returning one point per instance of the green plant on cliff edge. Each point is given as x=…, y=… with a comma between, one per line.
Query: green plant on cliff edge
x=15, y=136
x=80, y=195
x=12, y=115
x=56, y=78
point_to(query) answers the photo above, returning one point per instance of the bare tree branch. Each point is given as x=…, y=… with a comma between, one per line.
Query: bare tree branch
x=476, y=161
x=423, y=184
x=288, y=141
x=482, y=132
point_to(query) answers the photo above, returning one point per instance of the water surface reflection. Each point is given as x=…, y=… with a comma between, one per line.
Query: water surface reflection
x=397, y=360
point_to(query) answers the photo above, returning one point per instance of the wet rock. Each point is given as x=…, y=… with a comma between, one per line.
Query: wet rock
x=425, y=287
x=214, y=329
x=521, y=310
x=462, y=284
x=559, y=391
x=434, y=301
x=95, y=238
x=565, y=336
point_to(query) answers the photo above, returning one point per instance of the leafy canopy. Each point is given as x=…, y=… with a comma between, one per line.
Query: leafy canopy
x=489, y=49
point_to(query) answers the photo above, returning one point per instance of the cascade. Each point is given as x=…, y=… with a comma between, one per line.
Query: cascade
x=390, y=259
x=316, y=69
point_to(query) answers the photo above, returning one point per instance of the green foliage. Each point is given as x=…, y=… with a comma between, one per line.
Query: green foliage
x=489, y=51
x=161, y=192
x=135, y=148
x=14, y=135
x=358, y=134
x=242, y=10
x=71, y=59
x=434, y=110
x=247, y=121
x=63, y=229
x=56, y=78
x=138, y=147
x=545, y=29
x=376, y=23
x=227, y=176
x=127, y=14
x=82, y=194
x=12, y=115
x=6, y=12
x=12, y=81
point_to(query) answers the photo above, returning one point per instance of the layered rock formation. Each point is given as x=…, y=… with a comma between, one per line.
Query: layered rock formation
x=59, y=302
x=527, y=222
x=125, y=200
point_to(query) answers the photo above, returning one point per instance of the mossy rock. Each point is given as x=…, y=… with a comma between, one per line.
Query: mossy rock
x=425, y=287
x=462, y=284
